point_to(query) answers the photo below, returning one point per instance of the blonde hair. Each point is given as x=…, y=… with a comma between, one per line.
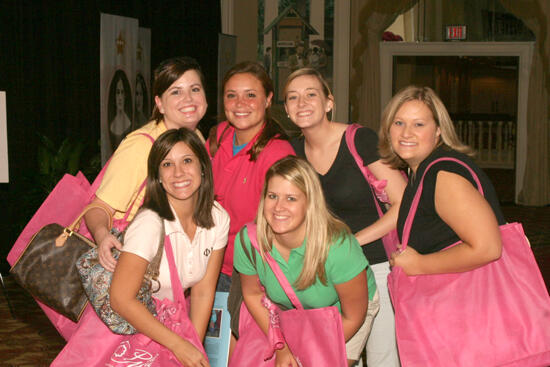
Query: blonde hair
x=448, y=137
x=322, y=228
x=325, y=88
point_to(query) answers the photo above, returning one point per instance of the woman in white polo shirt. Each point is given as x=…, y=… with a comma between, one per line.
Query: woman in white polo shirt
x=180, y=203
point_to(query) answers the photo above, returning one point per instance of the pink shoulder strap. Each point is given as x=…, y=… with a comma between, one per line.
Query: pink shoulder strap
x=177, y=288
x=283, y=281
x=99, y=178
x=141, y=187
x=416, y=199
x=376, y=186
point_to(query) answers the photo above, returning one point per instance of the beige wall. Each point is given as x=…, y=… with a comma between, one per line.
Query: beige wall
x=245, y=24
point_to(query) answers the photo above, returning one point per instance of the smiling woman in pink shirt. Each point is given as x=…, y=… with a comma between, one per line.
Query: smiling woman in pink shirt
x=243, y=149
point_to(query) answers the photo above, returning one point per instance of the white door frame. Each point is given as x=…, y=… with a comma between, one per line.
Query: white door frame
x=524, y=50
x=341, y=59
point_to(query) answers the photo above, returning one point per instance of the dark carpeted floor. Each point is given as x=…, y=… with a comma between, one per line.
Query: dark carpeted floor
x=26, y=338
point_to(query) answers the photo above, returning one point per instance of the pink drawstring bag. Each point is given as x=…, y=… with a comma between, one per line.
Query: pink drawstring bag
x=315, y=337
x=495, y=315
x=64, y=203
x=94, y=345
x=390, y=240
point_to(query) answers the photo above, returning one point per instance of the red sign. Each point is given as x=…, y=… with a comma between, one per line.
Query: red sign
x=455, y=32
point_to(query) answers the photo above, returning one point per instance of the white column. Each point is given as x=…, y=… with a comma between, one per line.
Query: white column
x=227, y=10
x=270, y=13
x=4, y=171
x=341, y=55
x=490, y=143
x=317, y=18
x=479, y=131
x=499, y=141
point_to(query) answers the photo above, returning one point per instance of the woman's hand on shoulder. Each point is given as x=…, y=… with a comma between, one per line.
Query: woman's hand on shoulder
x=189, y=355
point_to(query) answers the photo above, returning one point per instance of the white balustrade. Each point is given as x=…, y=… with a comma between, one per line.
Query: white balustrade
x=494, y=141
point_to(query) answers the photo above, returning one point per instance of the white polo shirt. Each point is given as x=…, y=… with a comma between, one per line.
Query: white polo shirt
x=191, y=257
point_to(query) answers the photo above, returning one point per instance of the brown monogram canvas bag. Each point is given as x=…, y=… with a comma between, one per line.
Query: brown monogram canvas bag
x=47, y=267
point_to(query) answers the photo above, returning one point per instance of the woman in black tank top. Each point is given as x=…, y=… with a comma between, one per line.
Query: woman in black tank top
x=416, y=130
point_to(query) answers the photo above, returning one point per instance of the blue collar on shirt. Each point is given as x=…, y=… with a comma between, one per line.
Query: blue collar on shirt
x=237, y=148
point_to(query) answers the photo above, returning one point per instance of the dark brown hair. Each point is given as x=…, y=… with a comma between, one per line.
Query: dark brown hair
x=167, y=73
x=155, y=196
x=272, y=129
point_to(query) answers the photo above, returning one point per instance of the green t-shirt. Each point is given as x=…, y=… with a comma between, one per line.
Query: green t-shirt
x=345, y=260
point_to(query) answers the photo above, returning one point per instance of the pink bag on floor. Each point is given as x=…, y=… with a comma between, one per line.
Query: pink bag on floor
x=64, y=203
x=315, y=337
x=94, y=345
x=495, y=315
x=390, y=240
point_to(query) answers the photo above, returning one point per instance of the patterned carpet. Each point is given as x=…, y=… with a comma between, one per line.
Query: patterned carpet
x=28, y=339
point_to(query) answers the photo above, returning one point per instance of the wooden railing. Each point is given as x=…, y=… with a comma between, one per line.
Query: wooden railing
x=494, y=141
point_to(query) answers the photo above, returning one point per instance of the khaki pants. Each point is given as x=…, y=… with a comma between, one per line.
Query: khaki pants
x=357, y=343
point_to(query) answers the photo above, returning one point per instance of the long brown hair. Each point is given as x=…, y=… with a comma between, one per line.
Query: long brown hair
x=272, y=129
x=155, y=196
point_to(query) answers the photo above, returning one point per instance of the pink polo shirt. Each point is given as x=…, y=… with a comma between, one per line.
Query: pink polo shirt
x=238, y=182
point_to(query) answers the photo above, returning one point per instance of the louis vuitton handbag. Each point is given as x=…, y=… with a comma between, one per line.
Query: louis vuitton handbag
x=46, y=268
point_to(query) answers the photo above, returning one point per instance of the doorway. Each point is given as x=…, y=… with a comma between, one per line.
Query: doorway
x=484, y=87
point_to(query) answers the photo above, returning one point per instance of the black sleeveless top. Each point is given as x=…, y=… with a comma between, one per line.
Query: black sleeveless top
x=346, y=190
x=429, y=233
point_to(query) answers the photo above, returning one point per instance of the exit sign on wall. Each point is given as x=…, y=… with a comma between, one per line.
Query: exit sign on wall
x=455, y=32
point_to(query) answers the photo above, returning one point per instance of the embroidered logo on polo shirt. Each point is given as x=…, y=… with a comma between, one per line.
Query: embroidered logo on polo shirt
x=207, y=251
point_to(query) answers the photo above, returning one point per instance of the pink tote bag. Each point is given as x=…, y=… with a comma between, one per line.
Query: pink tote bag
x=390, y=240
x=94, y=345
x=314, y=336
x=64, y=203
x=495, y=315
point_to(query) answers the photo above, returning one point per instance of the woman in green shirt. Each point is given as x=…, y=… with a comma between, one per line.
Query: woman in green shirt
x=317, y=253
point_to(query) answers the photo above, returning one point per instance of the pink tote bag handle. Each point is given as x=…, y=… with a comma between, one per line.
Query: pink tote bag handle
x=177, y=288
x=416, y=199
x=125, y=219
x=99, y=178
x=390, y=239
x=287, y=288
x=376, y=186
